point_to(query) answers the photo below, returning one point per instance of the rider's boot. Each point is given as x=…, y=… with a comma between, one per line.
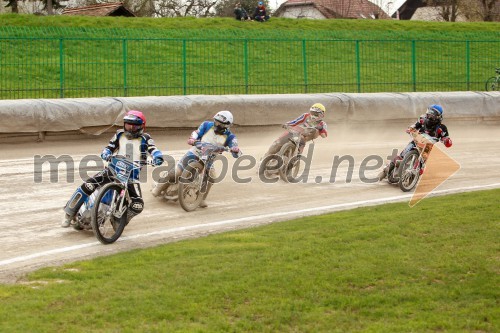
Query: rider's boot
x=72, y=206
x=134, y=209
x=156, y=191
x=163, y=184
x=203, y=203
x=385, y=171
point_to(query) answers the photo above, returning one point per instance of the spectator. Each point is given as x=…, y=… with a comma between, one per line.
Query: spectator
x=240, y=13
x=260, y=13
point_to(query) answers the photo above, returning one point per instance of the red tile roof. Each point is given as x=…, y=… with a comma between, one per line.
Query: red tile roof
x=339, y=8
x=103, y=9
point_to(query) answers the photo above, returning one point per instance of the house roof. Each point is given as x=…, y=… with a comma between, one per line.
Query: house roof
x=338, y=8
x=103, y=9
x=389, y=6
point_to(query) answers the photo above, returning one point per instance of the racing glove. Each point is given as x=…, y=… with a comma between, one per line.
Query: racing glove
x=447, y=142
x=191, y=141
x=106, y=154
x=157, y=161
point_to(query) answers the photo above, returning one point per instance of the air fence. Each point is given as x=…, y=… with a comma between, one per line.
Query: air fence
x=37, y=67
x=48, y=117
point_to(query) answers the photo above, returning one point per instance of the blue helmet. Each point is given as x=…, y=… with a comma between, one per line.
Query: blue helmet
x=436, y=108
x=434, y=115
x=260, y=3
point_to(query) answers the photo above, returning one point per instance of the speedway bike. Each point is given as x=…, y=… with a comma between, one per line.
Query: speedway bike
x=286, y=162
x=406, y=172
x=193, y=183
x=105, y=211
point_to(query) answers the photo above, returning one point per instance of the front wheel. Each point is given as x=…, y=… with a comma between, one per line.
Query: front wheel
x=108, y=221
x=291, y=165
x=492, y=84
x=409, y=171
x=190, y=188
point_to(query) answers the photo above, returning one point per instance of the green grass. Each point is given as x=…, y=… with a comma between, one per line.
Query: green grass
x=190, y=27
x=391, y=268
x=53, y=57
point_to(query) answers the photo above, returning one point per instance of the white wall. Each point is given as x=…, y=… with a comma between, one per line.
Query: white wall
x=302, y=12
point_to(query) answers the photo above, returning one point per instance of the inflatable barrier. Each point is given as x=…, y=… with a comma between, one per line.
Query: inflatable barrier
x=58, y=115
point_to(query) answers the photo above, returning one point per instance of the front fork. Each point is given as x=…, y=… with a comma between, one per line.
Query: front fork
x=122, y=208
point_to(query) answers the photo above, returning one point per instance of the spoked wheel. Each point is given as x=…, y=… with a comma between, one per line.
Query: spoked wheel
x=269, y=166
x=190, y=189
x=106, y=225
x=409, y=171
x=291, y=165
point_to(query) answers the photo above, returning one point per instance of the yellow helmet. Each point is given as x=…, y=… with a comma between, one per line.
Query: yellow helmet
x=317, y=110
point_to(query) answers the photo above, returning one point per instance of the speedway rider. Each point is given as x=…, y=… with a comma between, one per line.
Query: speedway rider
x=215, y=132
x=312, y=119
x=429, y=123
x=134, y=144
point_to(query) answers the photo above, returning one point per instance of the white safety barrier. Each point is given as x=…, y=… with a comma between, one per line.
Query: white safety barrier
x=56, y=115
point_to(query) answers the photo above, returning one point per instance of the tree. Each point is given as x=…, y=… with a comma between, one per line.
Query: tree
x=13, y=5
x=473, y=10
x=181, y=8
x=487, y=10
x=34, y=6
x=448, y=9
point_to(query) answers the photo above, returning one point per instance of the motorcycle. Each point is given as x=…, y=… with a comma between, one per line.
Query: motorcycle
x=105, y=211
x=406, y=172
x=192, y=184
x=286, y=161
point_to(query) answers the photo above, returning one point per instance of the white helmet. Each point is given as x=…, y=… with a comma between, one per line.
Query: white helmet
x=222, y=121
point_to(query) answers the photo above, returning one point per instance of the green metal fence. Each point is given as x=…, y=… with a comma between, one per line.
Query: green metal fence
x=83, y=67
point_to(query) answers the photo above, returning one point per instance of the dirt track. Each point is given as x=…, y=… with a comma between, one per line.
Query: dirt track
x=30, y=212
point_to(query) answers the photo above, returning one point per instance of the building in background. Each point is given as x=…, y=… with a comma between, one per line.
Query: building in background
x=103, y=9
x=330, y=9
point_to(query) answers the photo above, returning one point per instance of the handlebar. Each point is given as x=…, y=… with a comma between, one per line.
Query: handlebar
x=136, y=164
x=421, y=138
x=298, y=129
x=209, y=146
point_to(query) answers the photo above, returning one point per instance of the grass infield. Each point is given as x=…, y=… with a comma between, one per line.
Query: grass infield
x=390, y=268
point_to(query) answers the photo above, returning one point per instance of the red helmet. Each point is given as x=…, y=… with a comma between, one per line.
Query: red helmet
x=134, y=124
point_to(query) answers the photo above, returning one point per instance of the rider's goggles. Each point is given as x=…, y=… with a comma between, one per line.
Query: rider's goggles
x=316, y=112
x=221, y=124
x=432, y=114
x=132, y=127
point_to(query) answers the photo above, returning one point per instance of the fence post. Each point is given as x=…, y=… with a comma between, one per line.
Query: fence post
x=467, y=59
x=414, y=65
x=358, y=67
x=305, y=65
x=245, y=59
x=184, y=67
x=125, y=88
x=61, y=68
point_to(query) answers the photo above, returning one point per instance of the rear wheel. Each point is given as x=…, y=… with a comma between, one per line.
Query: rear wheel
x=409, y=171
x=269, y=166
x=492, y=84
x=190, y=188
x=106, y=225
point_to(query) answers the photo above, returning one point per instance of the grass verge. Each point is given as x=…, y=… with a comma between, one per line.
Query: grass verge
x=432, y=268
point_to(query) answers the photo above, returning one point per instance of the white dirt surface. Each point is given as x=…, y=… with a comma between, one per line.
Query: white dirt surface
x=30, y=212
